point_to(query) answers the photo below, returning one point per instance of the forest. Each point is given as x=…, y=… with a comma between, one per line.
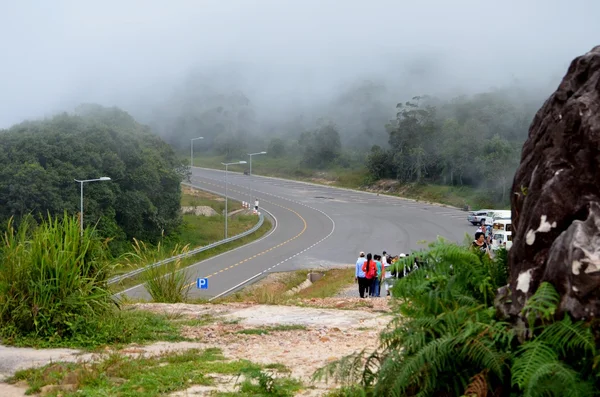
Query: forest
x=40, y=160
x=469, y=141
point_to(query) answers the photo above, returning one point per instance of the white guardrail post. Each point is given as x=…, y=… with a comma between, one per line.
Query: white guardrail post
x=195, y=251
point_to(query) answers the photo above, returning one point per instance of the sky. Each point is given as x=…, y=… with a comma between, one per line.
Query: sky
x=57, y=54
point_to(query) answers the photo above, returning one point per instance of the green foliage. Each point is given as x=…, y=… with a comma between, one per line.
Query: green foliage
x=41, y=159
x=276, y=147
x=542, y=305
x=165, y=283
x=52, y=279
x=259, y=382
x=160, y=375
x=321, y=147
x=447, y=339
x=465, y=141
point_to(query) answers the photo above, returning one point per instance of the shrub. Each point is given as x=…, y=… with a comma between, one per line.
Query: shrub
x=52, y=279
x=165, y=283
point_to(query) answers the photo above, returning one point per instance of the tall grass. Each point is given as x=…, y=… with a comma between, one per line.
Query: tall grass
x=52, y=280
x=166, y=283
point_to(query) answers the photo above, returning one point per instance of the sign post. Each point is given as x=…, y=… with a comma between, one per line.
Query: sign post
x=202, y=283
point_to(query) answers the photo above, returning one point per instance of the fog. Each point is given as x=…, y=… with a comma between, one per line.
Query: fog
x=284, y=55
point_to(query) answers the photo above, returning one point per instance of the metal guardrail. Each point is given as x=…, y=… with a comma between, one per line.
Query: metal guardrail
x=195, y=251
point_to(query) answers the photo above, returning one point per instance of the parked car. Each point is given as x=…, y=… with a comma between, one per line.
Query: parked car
x=479, y=217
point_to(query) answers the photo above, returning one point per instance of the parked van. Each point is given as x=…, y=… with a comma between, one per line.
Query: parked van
x=502, y=234
x=497, y=214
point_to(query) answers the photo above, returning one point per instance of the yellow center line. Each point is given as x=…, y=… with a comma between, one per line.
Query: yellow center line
x=265, y=251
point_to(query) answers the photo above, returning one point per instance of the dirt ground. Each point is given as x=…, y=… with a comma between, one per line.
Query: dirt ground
x=329, y=334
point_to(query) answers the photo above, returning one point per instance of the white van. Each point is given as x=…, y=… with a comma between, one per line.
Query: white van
x=502, y=234
x=497, y=214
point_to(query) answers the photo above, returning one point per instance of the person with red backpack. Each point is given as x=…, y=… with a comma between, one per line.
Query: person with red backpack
x=370, y=270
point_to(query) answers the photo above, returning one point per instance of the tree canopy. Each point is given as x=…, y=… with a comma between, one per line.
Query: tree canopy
x=40, y=160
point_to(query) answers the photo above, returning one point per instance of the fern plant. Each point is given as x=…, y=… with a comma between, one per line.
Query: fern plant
x=446, y=339
x=444, y=333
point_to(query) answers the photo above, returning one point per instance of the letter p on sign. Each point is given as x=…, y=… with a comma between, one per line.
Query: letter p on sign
x=202, y=283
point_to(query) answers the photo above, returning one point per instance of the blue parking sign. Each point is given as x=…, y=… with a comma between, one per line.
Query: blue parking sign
x=202, y=283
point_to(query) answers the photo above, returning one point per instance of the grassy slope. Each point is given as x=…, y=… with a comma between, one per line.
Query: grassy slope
x=286, y=167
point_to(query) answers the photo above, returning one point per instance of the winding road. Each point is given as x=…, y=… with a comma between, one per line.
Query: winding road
x=314, y=226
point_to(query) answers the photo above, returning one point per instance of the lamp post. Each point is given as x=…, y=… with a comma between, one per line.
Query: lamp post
x=81, y=182
x=192, y=150
x=226, y=191
x=253, y=154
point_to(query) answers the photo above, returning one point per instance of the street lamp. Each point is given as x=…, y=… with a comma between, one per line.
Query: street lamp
x=81, y=182
x=192, y=150
x=253, y=154
x=226, y=213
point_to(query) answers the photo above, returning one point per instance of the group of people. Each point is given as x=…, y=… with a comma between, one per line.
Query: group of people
x=373, y=273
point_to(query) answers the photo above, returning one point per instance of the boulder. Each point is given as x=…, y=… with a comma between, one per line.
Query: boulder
x=556, y=198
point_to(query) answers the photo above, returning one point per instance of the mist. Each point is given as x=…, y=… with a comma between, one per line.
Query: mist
x=287, y=57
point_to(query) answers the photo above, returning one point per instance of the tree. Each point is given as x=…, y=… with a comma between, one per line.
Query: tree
x=41, y=159
x=276, y=147
x=321, y=147
x=380, y=163
x=412, y=138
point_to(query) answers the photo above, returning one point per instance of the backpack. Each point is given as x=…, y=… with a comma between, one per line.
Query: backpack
x=370, y=271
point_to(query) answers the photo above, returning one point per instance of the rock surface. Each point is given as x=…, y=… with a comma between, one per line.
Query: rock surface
x=556, y=196
x=201, y=210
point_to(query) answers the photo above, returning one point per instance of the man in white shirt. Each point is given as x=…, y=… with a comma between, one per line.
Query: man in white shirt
x=359, y=275
x=256, y=204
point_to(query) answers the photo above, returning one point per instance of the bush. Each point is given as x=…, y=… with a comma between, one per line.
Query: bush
x=52, y=279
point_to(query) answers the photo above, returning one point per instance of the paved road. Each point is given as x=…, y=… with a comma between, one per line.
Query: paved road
x=316, y=226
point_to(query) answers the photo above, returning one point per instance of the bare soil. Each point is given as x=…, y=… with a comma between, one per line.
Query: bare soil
x=328, y=334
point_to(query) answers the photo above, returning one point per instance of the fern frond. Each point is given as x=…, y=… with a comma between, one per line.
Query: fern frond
x=566, y=336
x=530, y=357
x=347, y=370
x=482, y=353
x=542, y=303
x=557, y=379
x=422, y=368
x=478, y=386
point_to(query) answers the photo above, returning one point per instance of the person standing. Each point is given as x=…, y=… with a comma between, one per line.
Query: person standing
x=370, y=270
x=480, y=243
x=359, y=274
x=376, y=283
x=256, y=205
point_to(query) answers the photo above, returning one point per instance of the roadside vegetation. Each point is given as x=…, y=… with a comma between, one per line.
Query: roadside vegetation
x=447, y=338
x=195, y=231
x=53, y=290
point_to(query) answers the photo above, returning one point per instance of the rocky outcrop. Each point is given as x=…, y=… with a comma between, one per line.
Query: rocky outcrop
x=556, y=198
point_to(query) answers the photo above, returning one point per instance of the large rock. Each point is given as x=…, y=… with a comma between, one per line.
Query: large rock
x=556, y=198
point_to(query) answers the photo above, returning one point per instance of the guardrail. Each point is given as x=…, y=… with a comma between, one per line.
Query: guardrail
x=261, y=219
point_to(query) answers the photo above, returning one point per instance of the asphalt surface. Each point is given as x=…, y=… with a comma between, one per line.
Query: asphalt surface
x=315, y=226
